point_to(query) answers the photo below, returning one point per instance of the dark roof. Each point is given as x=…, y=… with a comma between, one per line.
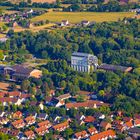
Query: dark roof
x=114, y=68
x=22, y=69
x=134, y=130
x=42, y=115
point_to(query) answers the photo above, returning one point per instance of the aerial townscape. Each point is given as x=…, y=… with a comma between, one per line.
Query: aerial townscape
x=69, y=69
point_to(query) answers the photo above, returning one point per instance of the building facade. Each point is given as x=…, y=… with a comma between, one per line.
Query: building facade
x=84, y=62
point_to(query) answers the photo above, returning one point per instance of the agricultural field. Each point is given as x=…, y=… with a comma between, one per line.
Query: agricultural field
x=76, y=17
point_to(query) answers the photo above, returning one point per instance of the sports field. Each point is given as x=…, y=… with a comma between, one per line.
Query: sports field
x=76, y=17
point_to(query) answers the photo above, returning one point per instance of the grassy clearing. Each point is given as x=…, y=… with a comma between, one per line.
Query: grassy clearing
x=76, y=17
x=33, y=29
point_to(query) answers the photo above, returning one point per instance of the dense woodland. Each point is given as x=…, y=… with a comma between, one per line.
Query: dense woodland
x=113, y=43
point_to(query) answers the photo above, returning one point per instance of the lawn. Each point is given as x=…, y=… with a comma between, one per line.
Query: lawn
x=76, y=17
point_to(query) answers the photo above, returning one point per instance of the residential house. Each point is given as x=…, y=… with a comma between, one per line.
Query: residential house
x=41, y=131
x=64, y=97
x=89, y=119
x=80, y=135
x=4, y=120
x=105, y=125
x=104, y=135
x=52, y=92
x=62, y=126
x=128, y=125
x=64, y=23
x=87, y=104
x=7, y=100
x=30, y=120
x=17, y=115
x=14, y=94
x=137, y=122
x=14, y=133
x=29, y=134
x=92, y=131
x=120, y=128
x=45, y=124
x=34, y=114
x=54, y=102
x=18, y=124
x=4, y=130
x=85, y=23
x=42, y=116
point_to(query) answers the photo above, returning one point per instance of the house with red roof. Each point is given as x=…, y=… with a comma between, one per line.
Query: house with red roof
x=89, y=119
x=29, y=134
x=137, y=122
x=62, y=126
x=87, y=104
x=80, y=135
x=18, y=124
x=92, y=131
x=30, y=120
x=41, y=131
x=105, y=125
x=17, y=115
x=14, y=94
x=104, y=135
x=46, y=124
x=128, y=125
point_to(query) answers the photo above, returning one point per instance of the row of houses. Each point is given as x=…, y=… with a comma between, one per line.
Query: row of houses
x=20, y=15
x=102, y=130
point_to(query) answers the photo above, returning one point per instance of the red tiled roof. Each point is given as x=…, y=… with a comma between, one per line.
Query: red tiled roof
x=89, y=119
x=25, y=95
x=103, y=134
x=89, y=103
x=30, y=118
x=137, y=121
x=29, y=133
x=92, y=130
x=18, y=113
x=7, y=99
x=129, y=124
x=104, y=124
x=81, y=134
x=44, y=123
x=61, y=125
x=2, y=94
x=14, y=93
x=17, y=123
x=41, y=130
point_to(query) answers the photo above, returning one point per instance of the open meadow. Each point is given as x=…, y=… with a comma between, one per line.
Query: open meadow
x=76, y=17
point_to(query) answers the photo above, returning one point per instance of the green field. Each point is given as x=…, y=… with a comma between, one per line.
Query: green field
x=76, y=17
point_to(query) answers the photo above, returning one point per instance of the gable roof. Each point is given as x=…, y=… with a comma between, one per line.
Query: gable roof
x=103, y=134
x=59, y=126
x=92, y=130
x=81, y=134
x=29, y=133
x=64, y=96
x=89, y=119
x=89, y=103
x=44, y=123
